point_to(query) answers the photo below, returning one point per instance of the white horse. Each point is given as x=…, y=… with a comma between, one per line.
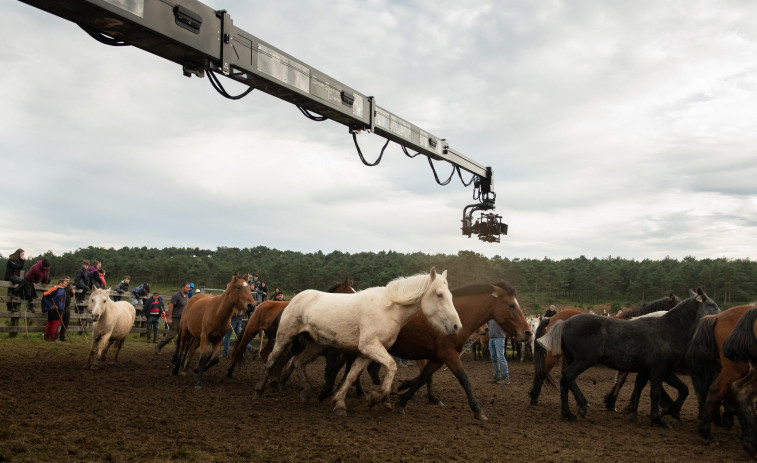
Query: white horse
x=366, y=322
x=112, y=323
x=527, y=348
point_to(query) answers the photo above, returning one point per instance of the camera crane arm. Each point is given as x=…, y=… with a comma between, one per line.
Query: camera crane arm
x=206, y=41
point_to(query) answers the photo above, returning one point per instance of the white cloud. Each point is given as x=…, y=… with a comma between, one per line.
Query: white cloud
x=612, y=130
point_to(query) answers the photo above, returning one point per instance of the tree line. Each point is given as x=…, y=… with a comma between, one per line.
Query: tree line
x=539, y=282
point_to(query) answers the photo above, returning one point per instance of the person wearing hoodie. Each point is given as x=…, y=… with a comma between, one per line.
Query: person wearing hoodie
x=13, y=269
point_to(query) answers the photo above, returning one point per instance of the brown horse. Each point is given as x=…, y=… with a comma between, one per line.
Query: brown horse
x=418, y=340
x=206, y=320
x=705, y=357
x=741, y=346
x=266, y=318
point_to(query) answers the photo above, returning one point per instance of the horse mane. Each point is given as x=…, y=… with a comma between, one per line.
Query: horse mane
x=662, y=304
x=409, y=290
x=484, y=288
x=740, y=346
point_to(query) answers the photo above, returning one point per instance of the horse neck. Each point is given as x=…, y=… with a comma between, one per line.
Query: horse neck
x=472, y=315
x=226, y=306
x=683, y=318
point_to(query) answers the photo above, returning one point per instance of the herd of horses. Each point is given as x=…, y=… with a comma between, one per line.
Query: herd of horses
x=419, y=318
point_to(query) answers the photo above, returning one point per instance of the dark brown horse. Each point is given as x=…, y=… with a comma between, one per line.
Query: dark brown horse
x=418, y=340
x=266, y=318
x=714, y=375
x=205, y=321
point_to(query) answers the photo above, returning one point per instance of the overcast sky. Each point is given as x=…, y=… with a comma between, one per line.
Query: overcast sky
x=613, y=129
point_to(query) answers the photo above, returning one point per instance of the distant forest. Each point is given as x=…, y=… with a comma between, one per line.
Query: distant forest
x=539, y=282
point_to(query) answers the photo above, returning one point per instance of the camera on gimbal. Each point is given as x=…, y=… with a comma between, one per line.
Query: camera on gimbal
x=488, y=227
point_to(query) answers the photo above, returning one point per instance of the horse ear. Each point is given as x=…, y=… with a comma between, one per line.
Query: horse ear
x=246, y=276
x=692, y=293
x=236, y=274
x=432, y=274
x=444, y=274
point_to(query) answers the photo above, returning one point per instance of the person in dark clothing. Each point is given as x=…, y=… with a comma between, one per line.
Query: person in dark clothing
x=551, y=312
x=153, y=311
x=66, y=313
x=122, y=287
x=178, y=301
x=81, y=282
x=13, y=274
x=96, y=275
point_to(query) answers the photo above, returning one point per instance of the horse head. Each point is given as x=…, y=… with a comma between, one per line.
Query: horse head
x=437, y=306
x=706, y=305
x=98, y=301
x=345, y=286
x=507, y=312
x=239, y=294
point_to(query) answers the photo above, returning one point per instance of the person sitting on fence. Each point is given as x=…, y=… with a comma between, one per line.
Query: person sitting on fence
x=153, y=310
x=53, y=304
x=38, y=273
x=13, y=274
x=96, y=275
x=81, y=282
x=122, y=287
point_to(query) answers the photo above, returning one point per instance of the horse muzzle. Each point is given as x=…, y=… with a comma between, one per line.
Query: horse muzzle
x=95, y=317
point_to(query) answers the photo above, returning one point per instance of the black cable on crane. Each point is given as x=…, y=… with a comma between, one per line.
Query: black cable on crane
x=310, y=115
x=216, y=83
x=103, y=37
x=433, y=169
x=360, y=153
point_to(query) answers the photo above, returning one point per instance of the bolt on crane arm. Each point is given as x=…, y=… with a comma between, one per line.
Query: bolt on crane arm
x=205, y=41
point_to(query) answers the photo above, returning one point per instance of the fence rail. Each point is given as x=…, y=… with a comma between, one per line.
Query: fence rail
x=34, y=321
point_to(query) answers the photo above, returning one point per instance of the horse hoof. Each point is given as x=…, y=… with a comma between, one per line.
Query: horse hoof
x=572, y=418
x=387, y=405
x=582, y=411
x=661, y=423
x=275, y=386
x=399, y=408
x=198, y=386
x=480, y=416
x=340, y=411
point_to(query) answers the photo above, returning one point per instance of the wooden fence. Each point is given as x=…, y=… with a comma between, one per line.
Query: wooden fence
x=25, y=321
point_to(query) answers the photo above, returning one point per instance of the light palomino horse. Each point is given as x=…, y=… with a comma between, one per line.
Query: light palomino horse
x=367, y=322
x=205, y=321
x=112, y=323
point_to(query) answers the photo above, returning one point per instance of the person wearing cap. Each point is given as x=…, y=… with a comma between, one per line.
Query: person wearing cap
x=191, y=290
x=550, y=312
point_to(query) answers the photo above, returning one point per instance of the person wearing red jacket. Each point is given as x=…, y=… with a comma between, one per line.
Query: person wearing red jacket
x=39, y=272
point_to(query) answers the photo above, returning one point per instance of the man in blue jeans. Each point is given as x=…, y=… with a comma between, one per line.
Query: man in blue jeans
x=236, y=327
x=497, y=352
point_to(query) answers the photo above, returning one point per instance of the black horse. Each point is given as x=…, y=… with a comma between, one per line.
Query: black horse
x=653, y=347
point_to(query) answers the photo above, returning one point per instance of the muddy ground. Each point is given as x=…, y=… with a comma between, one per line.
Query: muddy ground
x=53, y=410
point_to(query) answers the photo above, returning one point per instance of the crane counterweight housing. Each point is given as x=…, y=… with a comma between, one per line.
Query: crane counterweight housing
x=205, y=42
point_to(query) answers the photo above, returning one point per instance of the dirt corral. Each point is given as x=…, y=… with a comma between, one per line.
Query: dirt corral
x=53, y=410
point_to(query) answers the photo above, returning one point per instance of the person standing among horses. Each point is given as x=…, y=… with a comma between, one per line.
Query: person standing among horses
x=173, y=317
x=54, y=304
x=13, y=269
x=153, y=310
x=66, y=312
x=497, y=352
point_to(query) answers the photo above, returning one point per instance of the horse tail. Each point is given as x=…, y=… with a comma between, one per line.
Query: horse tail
x=552, y=341
x=702, y=357
x=741, y=345
x=541, y=373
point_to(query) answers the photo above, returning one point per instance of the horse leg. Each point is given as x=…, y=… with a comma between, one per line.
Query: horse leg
x=378, y=353
x=240, y=348
x=745, y=390
x=273, y=361
x=413, y=385
x=612, y=396
x=358, y=365
x=568, y=383
x=543, y=364
x=95, y=347
x=300, y=361
x=455, y=365
x=207, y=352
x=119, y=345
x=102, y=347
x=187, y=353
x=107, y=347
x=655, y=381
x=335, y=360
x=669, y=406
